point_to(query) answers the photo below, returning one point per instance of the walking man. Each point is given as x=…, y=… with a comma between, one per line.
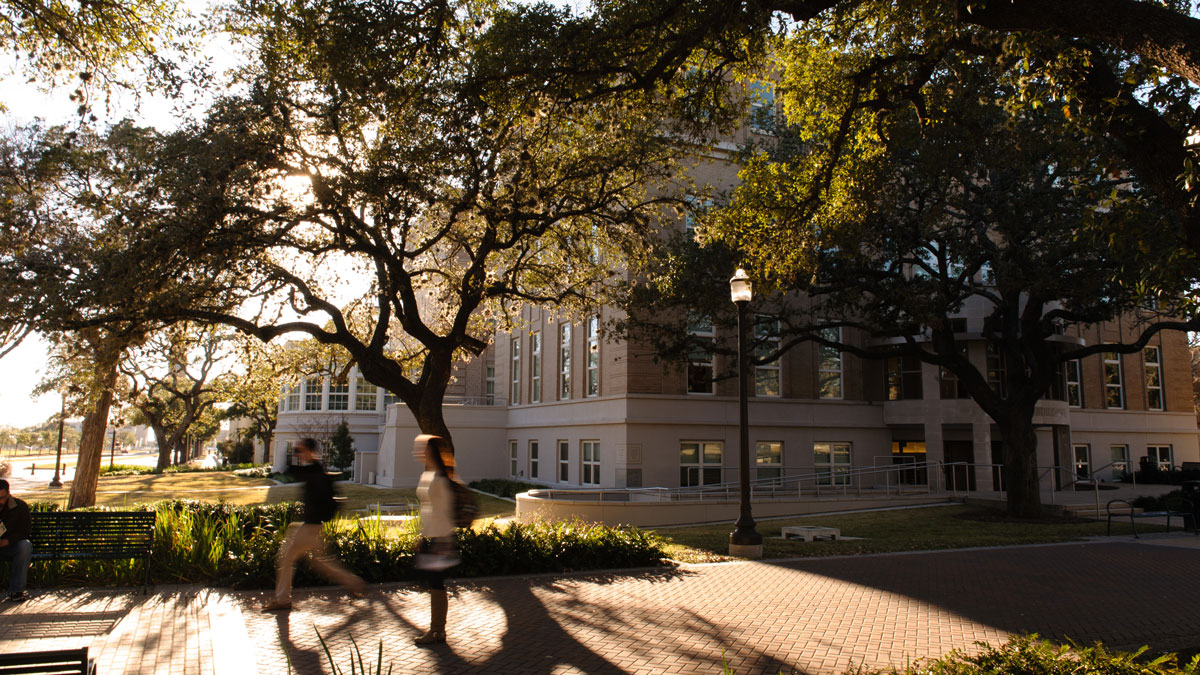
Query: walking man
x=15, y=547
x=309, y=537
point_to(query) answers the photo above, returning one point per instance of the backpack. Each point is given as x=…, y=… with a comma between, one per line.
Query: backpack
x=466, y=507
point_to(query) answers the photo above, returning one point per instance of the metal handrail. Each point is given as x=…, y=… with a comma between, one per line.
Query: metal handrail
x=1128, y=469
x=767, y=487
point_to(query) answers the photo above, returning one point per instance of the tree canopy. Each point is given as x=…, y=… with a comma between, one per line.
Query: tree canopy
x=377, y=189
x=971, y=208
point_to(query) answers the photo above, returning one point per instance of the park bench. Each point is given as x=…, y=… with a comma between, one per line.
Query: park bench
x=1177, y=508
x=93, y=535
x=60, y=662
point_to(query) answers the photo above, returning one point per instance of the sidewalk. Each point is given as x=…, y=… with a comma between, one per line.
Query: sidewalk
x=808, y=616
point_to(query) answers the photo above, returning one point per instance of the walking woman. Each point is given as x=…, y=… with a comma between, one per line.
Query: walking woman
x=437, y=550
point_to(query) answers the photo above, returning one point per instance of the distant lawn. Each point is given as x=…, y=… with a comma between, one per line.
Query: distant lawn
x=920, y=529
x=215, y=486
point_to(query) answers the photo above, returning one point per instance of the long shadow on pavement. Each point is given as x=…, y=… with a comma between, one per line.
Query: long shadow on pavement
x=1123, y=594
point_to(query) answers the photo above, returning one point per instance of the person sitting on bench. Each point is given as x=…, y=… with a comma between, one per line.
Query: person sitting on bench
x=15, y=547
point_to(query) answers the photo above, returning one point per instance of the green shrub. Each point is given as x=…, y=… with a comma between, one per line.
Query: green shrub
x=228, y=545
x=252, y=471
x=1027, y=655
x=503, y=488
x=135, y=470
x=1031, y=656
x=125, y=470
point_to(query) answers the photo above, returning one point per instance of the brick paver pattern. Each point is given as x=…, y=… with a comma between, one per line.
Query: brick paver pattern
x=815, y=616
x=811, y=616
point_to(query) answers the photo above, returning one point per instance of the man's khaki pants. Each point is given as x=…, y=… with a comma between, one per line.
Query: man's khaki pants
x=304, y=539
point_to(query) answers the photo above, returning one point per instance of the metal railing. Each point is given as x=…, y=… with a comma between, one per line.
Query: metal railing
x=475, y=400
x=829, y=482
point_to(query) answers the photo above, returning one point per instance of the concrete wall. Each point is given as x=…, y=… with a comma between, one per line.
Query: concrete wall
x=664, y=513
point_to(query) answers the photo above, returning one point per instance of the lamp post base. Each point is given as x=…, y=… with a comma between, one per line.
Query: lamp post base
x=750, y=551
x=746, y=544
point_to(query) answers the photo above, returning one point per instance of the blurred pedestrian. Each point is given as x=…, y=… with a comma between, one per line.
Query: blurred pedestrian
x=437, y=551
x=308, y=538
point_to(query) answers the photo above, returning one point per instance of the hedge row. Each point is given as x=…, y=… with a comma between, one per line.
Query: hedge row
x=225, y=545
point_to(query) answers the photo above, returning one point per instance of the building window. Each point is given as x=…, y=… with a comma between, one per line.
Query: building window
x=949, y=384
x=693, y=215
x=366, y=395
x=593, y=356
x=535, y=367
x=762, y=107
x=904, y=378
x=312, y=394
x=829, y=361
x=832, y=463
x=533, y=459
x=766, y=343
x=489, y=385
x=389, y=398
x=564, y=461
x=700, y=357
x=700, y=463
x=293, y=397
x=1074, y=379
x=564, y=361
x=995, y=370
x=1113, y=390
x=1153, y=364
x=590, y=463
x=339, y=395
x=1120, y=461
x=1159, y=456
x=1083, y=460
x=512, y=459
x=768, y=462
x=514, y=396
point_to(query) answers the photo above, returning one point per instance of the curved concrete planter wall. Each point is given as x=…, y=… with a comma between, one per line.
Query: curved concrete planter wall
x=654, y=513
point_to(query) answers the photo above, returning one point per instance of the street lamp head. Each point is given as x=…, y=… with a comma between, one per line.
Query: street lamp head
x=740, y=288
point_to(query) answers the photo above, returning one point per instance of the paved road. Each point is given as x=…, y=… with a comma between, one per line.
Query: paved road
x=811, y=616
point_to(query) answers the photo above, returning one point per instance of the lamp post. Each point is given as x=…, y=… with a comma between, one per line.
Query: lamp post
x=112, y=449
x=56, y=482
x=745, y=541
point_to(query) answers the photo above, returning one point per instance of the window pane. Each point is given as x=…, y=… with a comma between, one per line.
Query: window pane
x=768, y=452
x=831, y=385
x=689, y=453
x=712, y=453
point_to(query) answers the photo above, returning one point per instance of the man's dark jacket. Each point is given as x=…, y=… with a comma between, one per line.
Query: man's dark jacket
x=16, y=518
x=319, y=506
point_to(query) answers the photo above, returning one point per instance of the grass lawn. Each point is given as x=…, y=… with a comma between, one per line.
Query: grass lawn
x=224, y=486
x=919, y=529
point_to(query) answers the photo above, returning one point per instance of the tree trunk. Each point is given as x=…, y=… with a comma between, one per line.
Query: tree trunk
x=91, y=443
x=164, y=446
x=1020, y=467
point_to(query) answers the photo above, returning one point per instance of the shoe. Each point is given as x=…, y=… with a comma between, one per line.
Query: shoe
x=276, y=606
x=433, y=637
x=18, y=597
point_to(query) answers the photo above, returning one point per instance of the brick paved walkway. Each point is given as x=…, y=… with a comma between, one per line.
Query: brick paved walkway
x=811, y=616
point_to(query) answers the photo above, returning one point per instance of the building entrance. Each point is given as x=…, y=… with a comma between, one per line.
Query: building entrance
x=960, y=465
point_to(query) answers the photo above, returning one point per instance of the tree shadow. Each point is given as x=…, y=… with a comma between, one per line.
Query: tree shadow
x=1083, y=592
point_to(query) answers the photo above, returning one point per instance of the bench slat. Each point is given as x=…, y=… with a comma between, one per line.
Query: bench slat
x=57, y=662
